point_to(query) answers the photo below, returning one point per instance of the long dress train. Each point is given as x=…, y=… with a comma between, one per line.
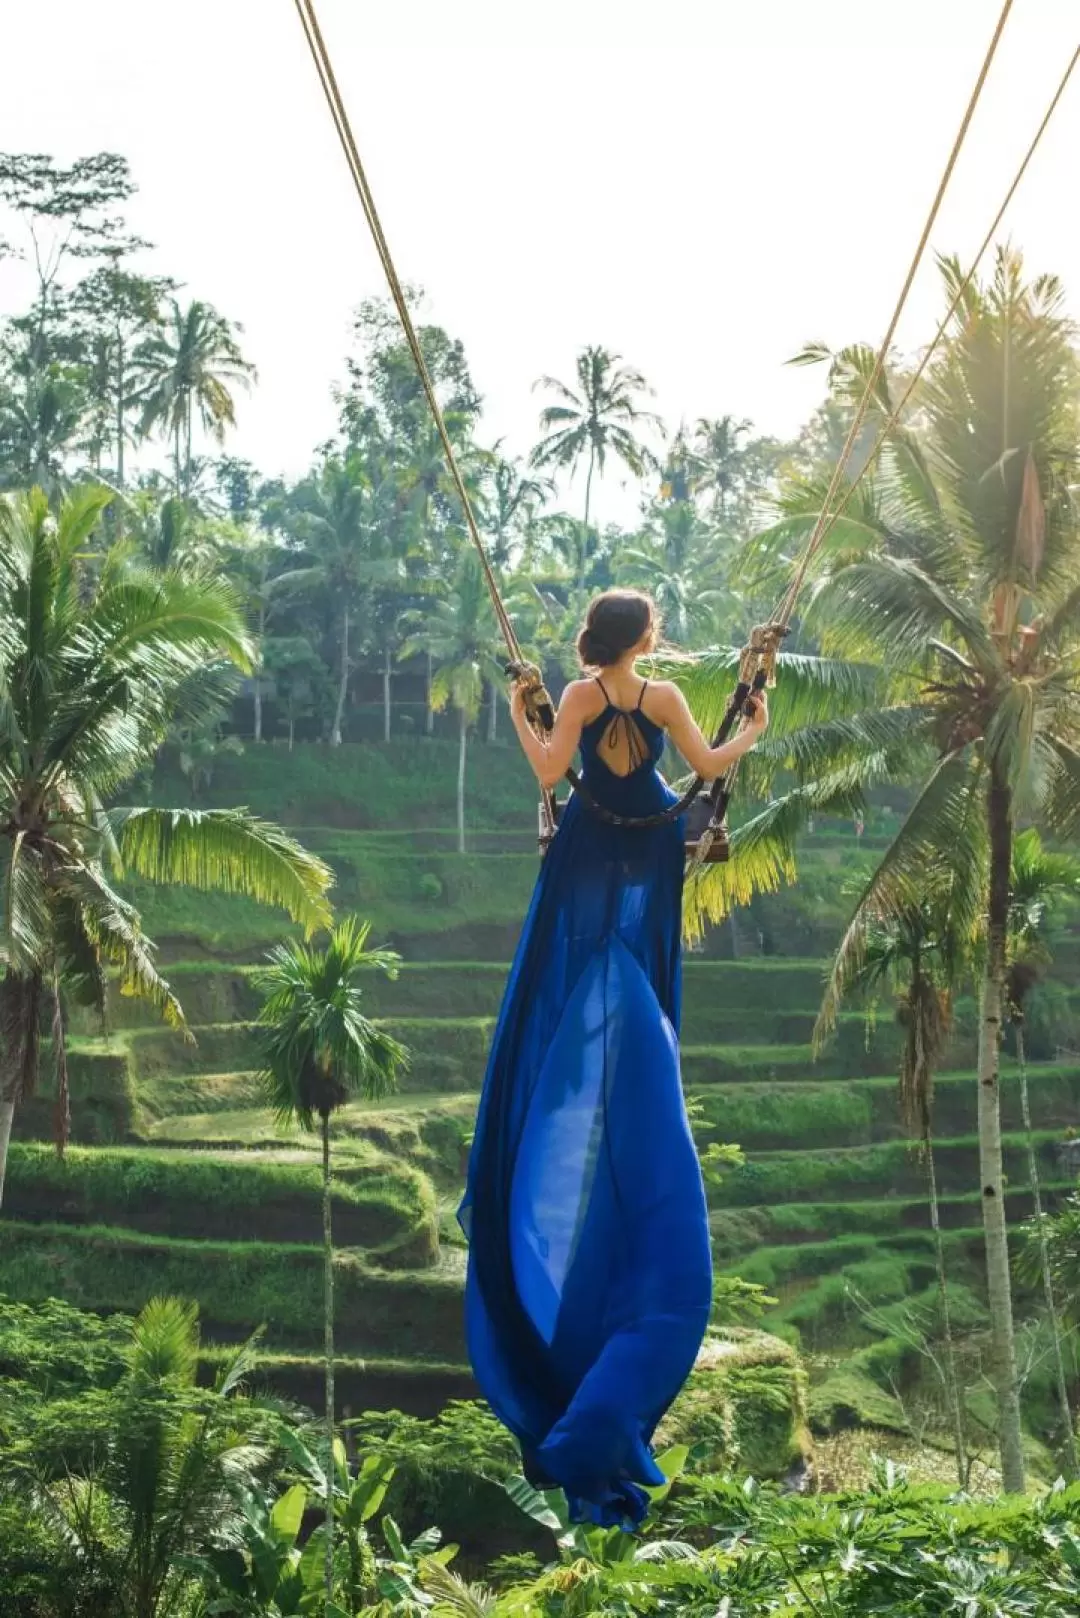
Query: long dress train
x=589, y=1281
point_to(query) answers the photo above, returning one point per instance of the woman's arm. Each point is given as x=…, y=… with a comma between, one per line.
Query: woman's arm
x=672, y=709
x=551, y=758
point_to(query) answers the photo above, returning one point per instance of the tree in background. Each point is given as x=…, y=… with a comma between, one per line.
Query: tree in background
x=460, y=632
x=320, y=1052
x=917, y=955
x=190, y=368
x=677, y=564
x=119, y=310
x=347, y=553
x=1041, y=879
x=601, y=419
x=97, y=662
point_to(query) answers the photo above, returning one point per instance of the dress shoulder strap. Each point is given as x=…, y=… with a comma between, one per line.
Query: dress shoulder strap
x=641, y=698
x=603, y=688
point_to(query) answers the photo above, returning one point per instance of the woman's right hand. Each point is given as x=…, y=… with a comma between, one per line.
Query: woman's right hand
x=759, y=721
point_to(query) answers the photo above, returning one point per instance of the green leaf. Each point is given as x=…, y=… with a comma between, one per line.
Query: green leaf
x=535, y=1505
x=288, y=1514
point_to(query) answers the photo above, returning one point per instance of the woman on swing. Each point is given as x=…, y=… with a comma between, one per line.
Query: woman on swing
x=590, y=1281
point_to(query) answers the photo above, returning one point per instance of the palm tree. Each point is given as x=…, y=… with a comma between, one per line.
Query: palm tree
x=460, y=633
x=718, y=458
x=957, y=574
x=601, y=418
x=674, y=567
x=1039, y=878
x=39, y=423
x=916, y=955
x=338, y=516
x=187, y=368
x=97, y=660
x=170, y=1462
x=320, y=1052
x=509, y=508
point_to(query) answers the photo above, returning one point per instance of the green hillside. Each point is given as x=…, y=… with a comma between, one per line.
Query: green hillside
x=180, y=1180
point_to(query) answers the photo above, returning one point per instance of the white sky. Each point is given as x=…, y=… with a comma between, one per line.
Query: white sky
x=700, y=185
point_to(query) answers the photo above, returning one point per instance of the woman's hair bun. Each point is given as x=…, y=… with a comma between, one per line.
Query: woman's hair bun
x=593, y=650
x=615, y=623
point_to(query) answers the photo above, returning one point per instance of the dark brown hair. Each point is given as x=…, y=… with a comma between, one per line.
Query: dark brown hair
x=615, y=621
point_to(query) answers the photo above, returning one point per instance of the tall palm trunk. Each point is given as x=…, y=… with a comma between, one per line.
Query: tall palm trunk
x=258, y=682
x=1069, y=1442
x=493, y=712
x=588, y=503
x=386, y=677
x=120, y=403
x=328, y=1353
x=991, y=1167
x=463, y=733
x=429, y=720
x=343, y=680
x=952, y=1385
x=7, y=1118
x=20, y=1048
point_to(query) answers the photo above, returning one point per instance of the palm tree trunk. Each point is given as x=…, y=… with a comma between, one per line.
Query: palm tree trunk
x=386, y=676
x=120, y=401
x=187, y=448
x=462, y=738
x=588, y=502
x=1052, y=1315
x=991, y=1167
x=258, y=682
x=952, y=1386
x=20, y=1045
x=493, y=712
x=292, y=731
x=328, y=1352
x=429, y=721
x=343, y=682
x=7, y=1118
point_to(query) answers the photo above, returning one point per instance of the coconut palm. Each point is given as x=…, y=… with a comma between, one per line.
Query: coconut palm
x=717, y=459
x=602, y=418
x=511, y=502
x=351, y=555
x=916, y=956
x=1040, y=878
x=170, y=1463
x=97, y=661
x=188, y=368
x=957, y=573
x=320, y=1052
x=675, y=565
x=460, y=633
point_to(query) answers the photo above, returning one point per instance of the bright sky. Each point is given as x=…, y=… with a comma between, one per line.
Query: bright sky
x=700, y=185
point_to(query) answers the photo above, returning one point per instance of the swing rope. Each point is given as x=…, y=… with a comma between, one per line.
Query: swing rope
x=757, y=663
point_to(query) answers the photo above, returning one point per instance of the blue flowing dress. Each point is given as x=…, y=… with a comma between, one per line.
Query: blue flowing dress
x=589, y=1281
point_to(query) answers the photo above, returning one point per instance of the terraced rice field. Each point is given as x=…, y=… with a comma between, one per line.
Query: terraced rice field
x=182, y=1182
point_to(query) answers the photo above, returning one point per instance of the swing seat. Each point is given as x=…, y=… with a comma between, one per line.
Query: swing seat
x=698, y=821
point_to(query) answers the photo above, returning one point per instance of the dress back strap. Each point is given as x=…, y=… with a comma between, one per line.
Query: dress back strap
x=603, y=688
x=641, y=698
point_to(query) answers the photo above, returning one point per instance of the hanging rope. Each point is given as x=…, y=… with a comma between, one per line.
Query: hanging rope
x=758, y=661
x=324, y=68
x=958, y=296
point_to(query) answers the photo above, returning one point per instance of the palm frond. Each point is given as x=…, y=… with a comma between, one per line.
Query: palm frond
x=227, y=850
x=809, y=690
x=942, y=839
